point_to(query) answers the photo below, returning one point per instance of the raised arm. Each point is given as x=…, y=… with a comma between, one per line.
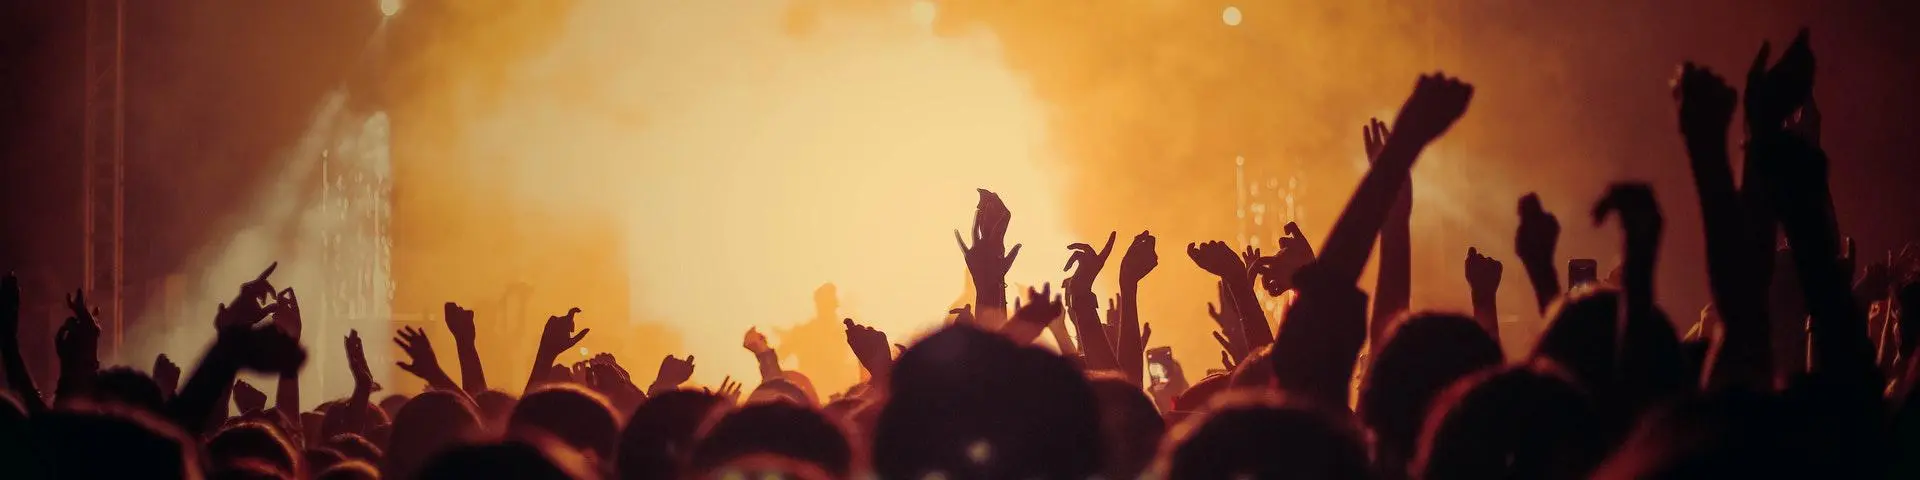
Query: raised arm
x=673, y=372
x=1742, y=355
x=426, y=364
x=555, y=338
x=18, y=378
x=1483, y=279
x=78, y=345
x=1639, y=364
x=286, y=393
x=1041, y=312
x=1315, y=351
x=871, y=348
x=1393, y=286
x=1436, y=103
x=1796, y=170
x=1083, y=306
x=1534, y=241
x=473, y=378
x=240, y=343
x=985, y=261
x=1139, y=260
x=763, y=354
x=1219, y=259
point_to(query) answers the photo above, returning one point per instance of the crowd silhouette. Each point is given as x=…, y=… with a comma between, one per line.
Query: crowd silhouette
x=1802, y=366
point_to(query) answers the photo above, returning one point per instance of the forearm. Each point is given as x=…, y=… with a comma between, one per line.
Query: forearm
x=990, y=301
x=1393, y=286
x=286, y=397
x=1731, y=250
x=1349, y=244
x=1486, y=311
x=472, y=377
x=769, y=361
x=20, y=380
x=202, y=402
x=76, y=377
x=1061, y=338
x=1094, y=345
x=1253, y=317
x=539, y=375
x=1742, y=355
x=1130, y=358
x=1545, y=278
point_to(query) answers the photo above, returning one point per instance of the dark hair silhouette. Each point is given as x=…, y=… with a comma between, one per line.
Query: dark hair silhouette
x=316, y=459
x=1581, y=341
x=572, y=414
x=970, y=404
x=1253, y=435
x=100, y=441
x=349, y=470
x=1129, y=424
x=252, y=440
x=129, y=387
x=427, y=424
x=391, y=404
x=781, y=428
x=1524, y=421
x=1422, y=354
x=355, y=447
x=661, y=430
x=521, y=459
x=495, y=406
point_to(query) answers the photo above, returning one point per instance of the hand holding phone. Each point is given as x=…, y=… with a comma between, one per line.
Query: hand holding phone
x=1581, y=271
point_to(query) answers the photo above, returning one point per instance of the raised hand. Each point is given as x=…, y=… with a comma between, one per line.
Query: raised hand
x=1091, y=261
x=1232, y=342
x=729, y=390
x=1276, y=272
x=357, y=364
x=459, y=322
x=871, y=347
x=1437, y=102
x=1775, y=93
x=249, y=306
x=1539, y=232
x=1483, y=272
x=1706, y=104
x=1042, y=308
x=166, y=375
x=1374, y=136
x=1483, y=278
x=1139, y=260
x=1639, y=213
x=248, y=398
x=1217, y=258
x=1534, y=241
x=78, y=340
x=985, y=260
x=963, y=314
x=755, y=342
x=673, y=372
x=558, y=336
x=425, y=364
x=605, y=375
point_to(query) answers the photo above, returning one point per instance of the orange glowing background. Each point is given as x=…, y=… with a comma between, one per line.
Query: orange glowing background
x=685, y=170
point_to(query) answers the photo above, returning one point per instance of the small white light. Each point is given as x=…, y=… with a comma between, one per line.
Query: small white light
x=389, y=7
x=1231, y=16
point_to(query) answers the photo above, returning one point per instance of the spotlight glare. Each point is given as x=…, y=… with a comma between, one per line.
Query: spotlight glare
x=389, y=7
x=1231, y=16
x=924, y=12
